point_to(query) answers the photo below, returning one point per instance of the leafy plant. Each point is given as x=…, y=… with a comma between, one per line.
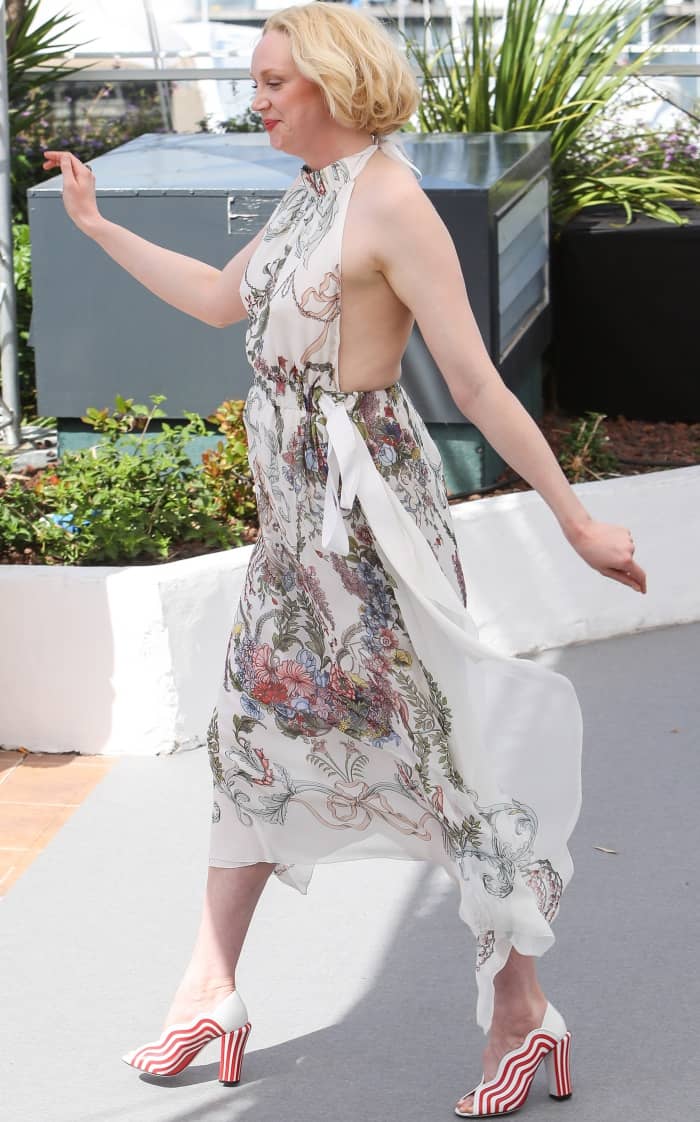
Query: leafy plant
x=614, y=165
x=557, y=74
x=225, y=467
x=18, y=509
x=646, y=149
x=127, y=499
x=22, y=256
x=583, y=452
x=35, y=53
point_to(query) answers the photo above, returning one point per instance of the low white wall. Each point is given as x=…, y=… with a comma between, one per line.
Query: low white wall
x=128, y=660
x=528, y=590
x=114, y=660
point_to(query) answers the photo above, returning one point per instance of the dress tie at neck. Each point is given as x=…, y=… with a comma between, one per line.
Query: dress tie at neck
x=322, y=180
x=394, y=149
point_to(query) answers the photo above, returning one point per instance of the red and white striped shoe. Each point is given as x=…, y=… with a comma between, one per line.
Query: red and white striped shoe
x=180, y=1043
x=507, y=1091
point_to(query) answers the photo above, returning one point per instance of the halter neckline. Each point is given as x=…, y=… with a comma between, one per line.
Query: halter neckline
x=338, y=171
x=322, y=180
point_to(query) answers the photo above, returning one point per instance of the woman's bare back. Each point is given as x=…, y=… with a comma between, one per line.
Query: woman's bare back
x=374, y=324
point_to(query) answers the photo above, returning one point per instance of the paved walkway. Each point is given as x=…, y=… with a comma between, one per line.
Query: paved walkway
x=361, y=993
x=38, y=794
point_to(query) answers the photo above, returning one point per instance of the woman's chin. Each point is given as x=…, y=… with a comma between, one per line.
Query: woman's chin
x=276, y=137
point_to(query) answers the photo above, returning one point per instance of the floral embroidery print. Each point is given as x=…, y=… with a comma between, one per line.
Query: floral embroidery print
x=334, y=734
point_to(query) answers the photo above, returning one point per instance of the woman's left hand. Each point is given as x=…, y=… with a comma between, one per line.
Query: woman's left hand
x=610, y=550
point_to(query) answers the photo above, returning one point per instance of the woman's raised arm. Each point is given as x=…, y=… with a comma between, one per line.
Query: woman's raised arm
x=200, y=290
x=417, y=256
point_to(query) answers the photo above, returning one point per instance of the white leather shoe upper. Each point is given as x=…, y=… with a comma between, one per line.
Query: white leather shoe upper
x=230, y=1013
x=553, y=1022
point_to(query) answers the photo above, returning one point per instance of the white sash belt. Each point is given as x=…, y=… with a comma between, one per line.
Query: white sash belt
x=397, y=535
x=516, y=725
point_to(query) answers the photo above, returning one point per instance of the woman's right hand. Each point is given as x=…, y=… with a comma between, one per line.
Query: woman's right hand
x=610, y=550
x=79, y=196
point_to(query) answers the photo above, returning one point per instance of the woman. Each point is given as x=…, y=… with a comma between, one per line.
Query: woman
x=359, y=715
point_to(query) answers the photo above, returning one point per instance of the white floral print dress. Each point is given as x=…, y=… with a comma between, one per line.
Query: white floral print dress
x=359, y=715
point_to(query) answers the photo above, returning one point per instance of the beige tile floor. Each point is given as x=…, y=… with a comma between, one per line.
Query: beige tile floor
x=38, y=794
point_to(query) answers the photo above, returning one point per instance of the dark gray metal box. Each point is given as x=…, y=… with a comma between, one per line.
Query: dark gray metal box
x=97, y=332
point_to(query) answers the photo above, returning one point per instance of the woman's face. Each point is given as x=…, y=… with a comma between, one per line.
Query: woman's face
x=292, y=107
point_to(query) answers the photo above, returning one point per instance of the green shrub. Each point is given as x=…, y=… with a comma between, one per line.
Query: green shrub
x=18, y=513
x=127, y=499
x=225, y=467
x=23, y=296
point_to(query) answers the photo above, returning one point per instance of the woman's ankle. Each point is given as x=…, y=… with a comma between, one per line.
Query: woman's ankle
x=200, y=987
x=197, y=997
x=519, y=1010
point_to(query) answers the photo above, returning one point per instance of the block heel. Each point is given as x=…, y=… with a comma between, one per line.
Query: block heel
x=232, y=1051
x=558, y=1068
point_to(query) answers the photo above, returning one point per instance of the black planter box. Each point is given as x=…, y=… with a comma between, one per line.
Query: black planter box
x=626, y=337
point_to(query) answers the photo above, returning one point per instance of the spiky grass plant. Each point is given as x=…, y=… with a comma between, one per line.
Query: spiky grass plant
x=36, y=51
x=555, y=74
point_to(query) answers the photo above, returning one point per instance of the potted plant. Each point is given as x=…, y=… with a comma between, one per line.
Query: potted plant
x=555, y=72
x=562, y=73
x=624, y=276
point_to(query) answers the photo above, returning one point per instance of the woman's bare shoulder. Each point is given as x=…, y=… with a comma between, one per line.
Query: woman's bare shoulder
x=391, y=190
x=394, y=206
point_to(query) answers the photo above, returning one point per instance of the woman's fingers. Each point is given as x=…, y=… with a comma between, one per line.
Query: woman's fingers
x=68, y=164
x=635, y=576
x=640, y=575
x=632, y=575
x=79, y=196
x=67, y=169
x=610, y=550
x=63, y=161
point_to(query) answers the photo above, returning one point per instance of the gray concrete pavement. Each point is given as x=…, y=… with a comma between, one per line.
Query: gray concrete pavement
x=361, y=993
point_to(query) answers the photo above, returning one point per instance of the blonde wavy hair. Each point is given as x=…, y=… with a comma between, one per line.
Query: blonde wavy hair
x=368, y=84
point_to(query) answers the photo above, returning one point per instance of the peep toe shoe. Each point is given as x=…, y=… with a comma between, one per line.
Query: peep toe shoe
x=509, y=1088
x=180, y=1043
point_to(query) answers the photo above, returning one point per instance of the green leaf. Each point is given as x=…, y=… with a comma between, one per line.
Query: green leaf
x=556, y=72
